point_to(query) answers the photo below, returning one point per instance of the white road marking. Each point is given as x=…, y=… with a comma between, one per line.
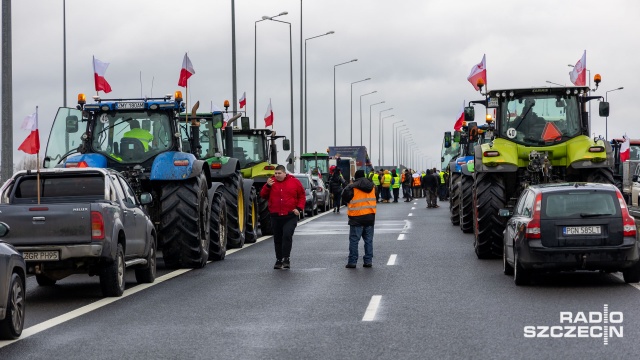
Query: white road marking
x=401, y=237
x=392, y=259
x=406, y=227
x=415, y=203
x=413, y=208
x=410, y=214
x=619, y=276
x=370, y=313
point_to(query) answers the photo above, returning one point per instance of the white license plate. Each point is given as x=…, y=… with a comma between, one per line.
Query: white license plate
x=41, y=255
x=582, y=230
x=130, y=105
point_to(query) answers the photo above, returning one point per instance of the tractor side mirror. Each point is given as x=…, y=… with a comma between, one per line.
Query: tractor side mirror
x=456, y=136
x=469, y=113
x=447, y=139
x=146, y=198
x=245, y=123
x=72, y=124
x=472, y=128
x=603, y=109
x=286, y=145
x=217, y=120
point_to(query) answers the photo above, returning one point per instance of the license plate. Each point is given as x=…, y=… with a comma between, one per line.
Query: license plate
x=493, y=103
x=41, y=255
x=582, y=230
x=130, y=105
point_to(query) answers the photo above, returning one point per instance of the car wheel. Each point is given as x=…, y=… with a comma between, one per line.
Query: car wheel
x=506, y=268
x=315, y=209
x=11, y=326
x=147, y=275
x=632, y=274
x=112, y=277
x=520, y=275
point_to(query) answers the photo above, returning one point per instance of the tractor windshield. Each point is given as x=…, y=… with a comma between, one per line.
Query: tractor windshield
x=448, y=154
x=65, y=136
x=310, y=164
x=535, y=120
x=249, y=149
x=131, y=137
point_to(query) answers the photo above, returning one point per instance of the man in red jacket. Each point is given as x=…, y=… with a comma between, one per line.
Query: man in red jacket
x=286, y=198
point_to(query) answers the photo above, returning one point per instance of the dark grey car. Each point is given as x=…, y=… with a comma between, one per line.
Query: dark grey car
x=12, y=289
x=570, y=226
x=311, y=204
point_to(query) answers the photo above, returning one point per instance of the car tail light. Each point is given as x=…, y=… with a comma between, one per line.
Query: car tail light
x=216, y=165
x=181, y=162
x=491, y=153
x=97, y=226
x=533, y=227
x=628, y=222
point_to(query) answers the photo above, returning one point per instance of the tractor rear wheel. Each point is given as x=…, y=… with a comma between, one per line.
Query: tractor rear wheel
x=218, y=227
x=600, y=175
x=184, y=223
x=489, y=196
x=466, y=203
x=236, y=219
x=454, y=198
x=252, y=218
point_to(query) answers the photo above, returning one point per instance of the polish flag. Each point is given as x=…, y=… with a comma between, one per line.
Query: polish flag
x=458, y=124
x=31, y=145
x=625, y=149
x=578, y=75
x=243, y=100
x=268, y=116
x=186, y=71
x=478, y=71
x=99, y=69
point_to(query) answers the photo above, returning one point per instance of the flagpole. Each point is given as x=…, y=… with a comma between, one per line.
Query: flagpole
x=38, y=162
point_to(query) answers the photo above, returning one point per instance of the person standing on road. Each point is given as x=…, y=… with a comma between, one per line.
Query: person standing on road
x=361, y=208
x=406, y=185
x=286, y=198
x=395, y=185
x=441, y=186
x=386, y=186
x=336, y=183
x=430, y=185
x=375, y=177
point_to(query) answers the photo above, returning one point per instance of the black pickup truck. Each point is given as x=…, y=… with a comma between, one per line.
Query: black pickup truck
x=82, y=220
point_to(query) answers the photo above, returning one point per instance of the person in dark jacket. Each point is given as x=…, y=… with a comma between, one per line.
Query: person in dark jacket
x=336, y=183
x=406, y=186
x=361, y=201
x=430, y=184
x=286, y=198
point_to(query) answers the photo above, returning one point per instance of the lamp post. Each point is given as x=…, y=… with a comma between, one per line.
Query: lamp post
x=606, y=121
x=589, y=76
x=403, y=140
x=255, y=66
x=370, y=107
x=393, y=141
x=305, y=85
x=551, y=82
x=293, y=151
x=379, y=131
x=395, y=130
x=382, y=137
x=373, y=92
x=334, y=98
x=351, y=112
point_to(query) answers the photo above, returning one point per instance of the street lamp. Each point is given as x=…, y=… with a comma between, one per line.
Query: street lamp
x=589, y=76
x=293, y=151
x=393, y=155
x=370, y=107
x=305, y=85
x=334, y=98
x=373, y=92
x=255, y=66
x=401, y=144
x=551, y=82
x=382, y=136
x=393, y=141
x=351, y=112
x=606, y=121
x=380, y=132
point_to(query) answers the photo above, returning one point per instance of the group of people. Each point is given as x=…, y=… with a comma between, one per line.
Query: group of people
x=386, y=182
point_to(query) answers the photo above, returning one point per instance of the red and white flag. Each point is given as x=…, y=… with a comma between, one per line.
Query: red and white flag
x=186, y=71
x=578, y=75
x=99, y=69
x=243, y=100
x=625, y=149
x=31, y=145
x=268, y=116
x=478, y=71
x=458, y=125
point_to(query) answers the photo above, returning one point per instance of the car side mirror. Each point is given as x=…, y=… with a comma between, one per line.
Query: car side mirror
x=245, y=123
x=505, y=213
x=4, y=229
x=603, y=109
x=72, y=124
x=146, y=198
x=286, y=145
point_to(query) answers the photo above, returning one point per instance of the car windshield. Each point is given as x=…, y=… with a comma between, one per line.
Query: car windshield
x=249, y=149
x=579, y=204
x=131, y=137
x=539, y=119
x=304, y=181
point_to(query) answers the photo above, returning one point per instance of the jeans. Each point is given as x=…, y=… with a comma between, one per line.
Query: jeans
x=406, y=191
x=283, y=228
x=355, y=233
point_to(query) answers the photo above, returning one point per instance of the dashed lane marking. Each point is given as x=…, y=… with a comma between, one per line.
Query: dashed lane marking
x=401, y=237
x=410, y=214
x=370, y=313
x=413, y=208
x=392, y=259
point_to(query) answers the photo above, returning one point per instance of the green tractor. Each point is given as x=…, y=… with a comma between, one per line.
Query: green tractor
x=317, y=164
x=257, y=155
x=541, y=136
x=212, y=145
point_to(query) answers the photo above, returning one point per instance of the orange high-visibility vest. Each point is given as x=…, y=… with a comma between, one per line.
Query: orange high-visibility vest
x=416, y=181
x=362, y=203
x=402, y=178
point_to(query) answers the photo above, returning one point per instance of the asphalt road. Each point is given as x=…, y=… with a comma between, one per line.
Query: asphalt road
x=434, y=299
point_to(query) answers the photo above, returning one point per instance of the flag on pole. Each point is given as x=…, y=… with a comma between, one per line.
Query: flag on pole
x=478, y=71
x=578, y=75
x=99, y=69
x=31, y=145
x=625, y=149
x=186, y=71
x=243, y=100
x=458, y=125
x=268, y=116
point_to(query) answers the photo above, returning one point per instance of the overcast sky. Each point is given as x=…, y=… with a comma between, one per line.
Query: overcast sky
x=418, y=54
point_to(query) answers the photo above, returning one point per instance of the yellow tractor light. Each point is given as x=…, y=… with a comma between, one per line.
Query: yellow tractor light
x=226, y=103
x=597, y=78
x=178, y=95
x=82, y=99
x=489, y=118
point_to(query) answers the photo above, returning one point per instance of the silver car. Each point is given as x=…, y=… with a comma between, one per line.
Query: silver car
x=322, y=193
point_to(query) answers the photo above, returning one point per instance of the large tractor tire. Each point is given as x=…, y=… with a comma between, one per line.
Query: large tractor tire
x=600, y=175
x=236, y=216
x=265, y=217
x=184, y=223
x=218, y=228
x=489, y=196
x=454, y=199
x=252, y=218
x=466, y=204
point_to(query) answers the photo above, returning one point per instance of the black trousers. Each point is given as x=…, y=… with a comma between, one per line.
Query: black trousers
x=337, y=199
x=283, y=228
x=396, y=193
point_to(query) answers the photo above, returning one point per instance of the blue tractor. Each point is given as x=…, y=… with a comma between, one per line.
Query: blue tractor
x=141, y=139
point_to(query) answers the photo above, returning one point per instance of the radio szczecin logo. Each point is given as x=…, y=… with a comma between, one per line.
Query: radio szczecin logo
x=592, y=324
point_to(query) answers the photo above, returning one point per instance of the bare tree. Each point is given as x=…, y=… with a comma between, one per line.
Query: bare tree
x=27, y=163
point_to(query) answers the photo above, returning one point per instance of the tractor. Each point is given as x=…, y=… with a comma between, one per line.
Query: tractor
x=541, y=136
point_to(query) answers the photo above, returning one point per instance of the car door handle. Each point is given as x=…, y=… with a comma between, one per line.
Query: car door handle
x=125, y=212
